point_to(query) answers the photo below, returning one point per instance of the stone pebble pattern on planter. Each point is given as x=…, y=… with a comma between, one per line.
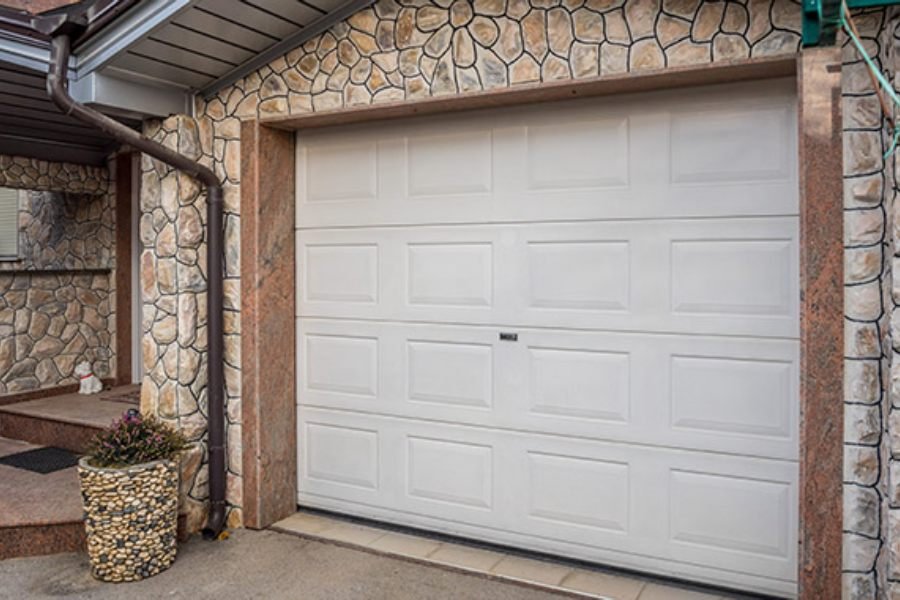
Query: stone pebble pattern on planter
x=174, y=323
x=57, y=300
x=131, y=519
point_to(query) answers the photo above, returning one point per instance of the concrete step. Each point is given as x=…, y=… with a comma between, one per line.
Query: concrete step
x=39, y=513
x=66, y=421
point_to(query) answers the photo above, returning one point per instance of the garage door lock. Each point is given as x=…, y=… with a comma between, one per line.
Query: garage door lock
x=506, y=336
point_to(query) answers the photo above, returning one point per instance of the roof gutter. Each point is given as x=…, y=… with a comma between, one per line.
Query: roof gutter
x=62, y=34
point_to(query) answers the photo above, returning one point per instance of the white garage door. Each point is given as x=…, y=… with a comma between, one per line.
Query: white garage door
x=567, y=327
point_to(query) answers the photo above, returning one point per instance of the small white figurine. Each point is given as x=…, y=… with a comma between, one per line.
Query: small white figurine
x=89, y=383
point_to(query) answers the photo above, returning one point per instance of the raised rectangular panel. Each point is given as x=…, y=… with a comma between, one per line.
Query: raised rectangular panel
x=449, y=163
x=340, y=172
x=750, y=277
x=579, y=383
x=450, y=373
x=341, y=454
x=341, y=272
x=730, y=513
x=731, y=145
x=450, y=471
x=578, y=154
x=732, y=395
x=579, y=491
x=450, y=274
x=579, y=275
x=341, y=364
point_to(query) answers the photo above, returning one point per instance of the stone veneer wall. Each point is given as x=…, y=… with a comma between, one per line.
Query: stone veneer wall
x=57, y=300
x=868, y=202
x=410, y=49
x=40, y=175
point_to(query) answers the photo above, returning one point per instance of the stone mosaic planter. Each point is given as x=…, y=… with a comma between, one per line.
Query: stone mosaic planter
x=131, y=518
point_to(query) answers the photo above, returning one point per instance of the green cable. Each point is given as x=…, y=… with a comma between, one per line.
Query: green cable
x=885, y=85
x=893, y=145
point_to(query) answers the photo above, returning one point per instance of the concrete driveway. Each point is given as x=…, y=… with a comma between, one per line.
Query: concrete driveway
x=259, y=564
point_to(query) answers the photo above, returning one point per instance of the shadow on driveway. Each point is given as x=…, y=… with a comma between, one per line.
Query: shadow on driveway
x=259, y=564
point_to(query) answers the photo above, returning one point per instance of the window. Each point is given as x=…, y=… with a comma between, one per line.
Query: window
x=9, y=224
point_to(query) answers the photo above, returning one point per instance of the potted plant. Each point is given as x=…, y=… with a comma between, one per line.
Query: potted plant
x=129, y=485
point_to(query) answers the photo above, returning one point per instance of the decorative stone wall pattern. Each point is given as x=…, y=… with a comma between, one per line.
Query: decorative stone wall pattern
x=409, y=49
x=62, y=231
x=57, y=302
x=867, y=328
x=40, y=175
x=49, y=322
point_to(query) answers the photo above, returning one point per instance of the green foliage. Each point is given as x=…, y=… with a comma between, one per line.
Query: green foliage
x=133, y=440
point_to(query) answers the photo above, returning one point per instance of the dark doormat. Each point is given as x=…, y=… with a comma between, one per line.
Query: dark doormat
x=41, y=460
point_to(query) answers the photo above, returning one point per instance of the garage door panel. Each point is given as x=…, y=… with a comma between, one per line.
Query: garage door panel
x=441, y=163
x=733, y=513
x=736, y=510
x=730, y=154
x=335, y=455
x=718, y=276
x=579, y=383
x=340, y=273
x=603, y=500
x=450, y=471
x=584, y=153
x=341, y=364
x=733, y=395
x=585, y=275
x=733, y=276
x=730, y=513
x=716, y=143
x=722, y=394
x=323, y=169
x=570, y=327
x=450, y=373
x=450, y=274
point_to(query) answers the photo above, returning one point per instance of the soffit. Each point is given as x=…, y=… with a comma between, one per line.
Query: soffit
x=206, y=45
x=31, y=125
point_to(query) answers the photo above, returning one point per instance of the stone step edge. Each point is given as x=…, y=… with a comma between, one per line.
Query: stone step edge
x=45, y=431
x=18, y=541
x=10, y=409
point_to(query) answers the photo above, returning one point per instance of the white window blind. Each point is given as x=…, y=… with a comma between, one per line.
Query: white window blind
x=9, y=223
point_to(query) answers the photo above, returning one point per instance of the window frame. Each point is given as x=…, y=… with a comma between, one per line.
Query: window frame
x=16, y=255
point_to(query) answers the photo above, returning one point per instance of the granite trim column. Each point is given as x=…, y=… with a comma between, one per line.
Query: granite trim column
x=268, y=347
x=821, y=323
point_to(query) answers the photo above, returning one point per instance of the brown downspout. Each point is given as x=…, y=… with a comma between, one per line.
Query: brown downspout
x=57, y=88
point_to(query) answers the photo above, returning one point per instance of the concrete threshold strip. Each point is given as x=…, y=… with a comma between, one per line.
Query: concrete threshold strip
x=550, y=575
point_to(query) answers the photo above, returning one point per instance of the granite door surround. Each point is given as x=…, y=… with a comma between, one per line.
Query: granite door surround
x=268, y=294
